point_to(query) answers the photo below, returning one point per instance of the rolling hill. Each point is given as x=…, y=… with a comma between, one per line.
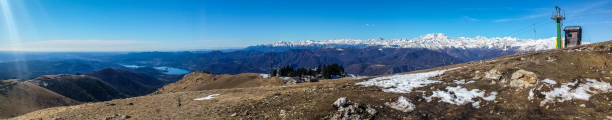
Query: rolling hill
x=17, y=98
x=197, y=81
x=30, y=69
x=79, y=87
x=102, y=85
x=127, y=82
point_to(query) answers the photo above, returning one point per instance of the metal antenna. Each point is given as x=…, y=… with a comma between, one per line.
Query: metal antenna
x=535, y=34
x=558, y=16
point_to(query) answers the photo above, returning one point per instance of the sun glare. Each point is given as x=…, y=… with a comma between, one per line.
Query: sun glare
x=14, y=40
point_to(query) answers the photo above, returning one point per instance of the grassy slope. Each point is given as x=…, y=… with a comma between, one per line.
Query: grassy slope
x=23, y=97
x=198, y=81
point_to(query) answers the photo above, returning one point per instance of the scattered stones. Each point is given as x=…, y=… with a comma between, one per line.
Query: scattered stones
x=493, y=74
x=283, y=114
x=118, y=117
x=350, y=111
x=476, y=75
x=291, y=80
x=550, y=59
x=247, y=112
x=371, y=110
x=402, y=104
x=523, y=79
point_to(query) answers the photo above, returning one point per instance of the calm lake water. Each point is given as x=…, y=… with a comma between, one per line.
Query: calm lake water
x=172, y=71
x=167, y=70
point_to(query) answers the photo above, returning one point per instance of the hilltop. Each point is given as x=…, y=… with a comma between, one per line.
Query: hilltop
x=102, y=85
x=79, y=87
x=569, y=83
x=129, y=83
x=17, y=98
x=199, y=80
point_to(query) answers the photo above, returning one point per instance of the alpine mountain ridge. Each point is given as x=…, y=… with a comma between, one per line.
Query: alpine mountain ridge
x=434, y=41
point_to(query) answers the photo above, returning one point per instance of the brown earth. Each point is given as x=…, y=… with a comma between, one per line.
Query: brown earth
x=197, y=81
x=17, y=98
x=314, y=100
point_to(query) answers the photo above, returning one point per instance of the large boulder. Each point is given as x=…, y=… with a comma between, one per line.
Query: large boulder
x=523, y=79
x=347, y=110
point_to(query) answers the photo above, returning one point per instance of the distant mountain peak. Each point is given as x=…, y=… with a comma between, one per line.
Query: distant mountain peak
x=428, y=41
x=434, y=36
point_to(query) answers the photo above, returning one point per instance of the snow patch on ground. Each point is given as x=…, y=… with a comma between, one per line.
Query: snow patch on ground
x=403, y=83
x=530, y=97
x=461, y=96
x=402, y=104
x=357, y=76
x=461, y=82
x=569, y=91
x=552, y=82
x=265, y=76
x=207, y=97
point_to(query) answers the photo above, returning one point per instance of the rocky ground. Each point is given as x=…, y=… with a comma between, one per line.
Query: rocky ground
x=571, y=83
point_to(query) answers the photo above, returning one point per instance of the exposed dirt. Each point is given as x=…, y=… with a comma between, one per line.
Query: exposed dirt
x=314, y=100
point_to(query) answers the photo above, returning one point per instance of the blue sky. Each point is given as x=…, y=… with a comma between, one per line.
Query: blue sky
x=142, y=25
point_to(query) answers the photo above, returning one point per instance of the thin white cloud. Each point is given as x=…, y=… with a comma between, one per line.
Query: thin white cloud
x=471, y=19
x=521, y=18
x=83, y=46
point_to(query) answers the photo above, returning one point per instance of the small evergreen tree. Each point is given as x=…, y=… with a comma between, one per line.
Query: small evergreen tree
x=322, y=71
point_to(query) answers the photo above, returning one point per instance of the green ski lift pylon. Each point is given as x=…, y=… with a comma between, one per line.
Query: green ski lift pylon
x=558, y=16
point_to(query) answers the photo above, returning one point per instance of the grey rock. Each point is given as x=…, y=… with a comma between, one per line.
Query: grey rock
x=493, y=74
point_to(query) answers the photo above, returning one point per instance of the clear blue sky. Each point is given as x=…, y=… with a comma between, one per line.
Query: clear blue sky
x=126, y=25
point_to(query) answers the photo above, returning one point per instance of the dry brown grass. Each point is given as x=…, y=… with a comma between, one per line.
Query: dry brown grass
x=23, y=97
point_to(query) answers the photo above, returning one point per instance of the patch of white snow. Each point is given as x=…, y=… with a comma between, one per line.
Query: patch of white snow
x=581, y=92
x=552, y=82
x=403, y=83
x=207, y=97
x=460, y=96
x=265, y=76
x=530, y=97
x=461, y=82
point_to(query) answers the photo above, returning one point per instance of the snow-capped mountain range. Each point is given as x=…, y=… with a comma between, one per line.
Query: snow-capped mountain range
x=429, y=41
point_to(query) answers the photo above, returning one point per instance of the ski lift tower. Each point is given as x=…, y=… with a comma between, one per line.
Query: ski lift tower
x=558, y=16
